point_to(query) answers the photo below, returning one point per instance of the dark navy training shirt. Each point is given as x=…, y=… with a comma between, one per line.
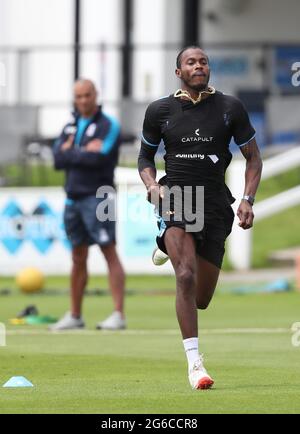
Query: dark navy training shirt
x=87, y=171
x=196, y=140
x=82, y=125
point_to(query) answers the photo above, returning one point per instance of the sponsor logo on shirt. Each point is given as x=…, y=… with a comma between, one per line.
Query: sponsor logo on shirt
x=213, y=158
x=191, y=156
x=197, y=138
x=91, y=130
x=70, y=129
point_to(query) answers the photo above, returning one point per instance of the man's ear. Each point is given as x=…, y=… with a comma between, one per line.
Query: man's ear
x=178, y=72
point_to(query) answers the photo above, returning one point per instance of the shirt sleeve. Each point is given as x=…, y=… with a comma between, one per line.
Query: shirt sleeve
x=242, y=129
x=59, y=141
x=76, y=158
x=146, y=157
x=151, y=138
x=59, y=162
x=109, y=134
x=151, y=134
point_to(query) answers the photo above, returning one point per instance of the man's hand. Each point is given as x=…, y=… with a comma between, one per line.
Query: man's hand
x=245, y=214
x=94, y=146
x=68, y=143
x=154, y=193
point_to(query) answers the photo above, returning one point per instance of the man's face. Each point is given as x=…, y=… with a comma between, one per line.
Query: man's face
x=194, y=70
x=85, y=97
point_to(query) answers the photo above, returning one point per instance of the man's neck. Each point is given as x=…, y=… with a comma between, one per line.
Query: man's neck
x=195, y=96
x=90, y=114
x=195, y=93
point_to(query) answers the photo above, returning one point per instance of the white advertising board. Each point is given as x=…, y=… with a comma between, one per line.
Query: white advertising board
x=32, y=230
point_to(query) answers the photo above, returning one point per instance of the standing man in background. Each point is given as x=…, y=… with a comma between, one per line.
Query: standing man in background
x=88, y=152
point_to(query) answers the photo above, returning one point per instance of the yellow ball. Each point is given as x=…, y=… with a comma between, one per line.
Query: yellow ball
x=30, y=280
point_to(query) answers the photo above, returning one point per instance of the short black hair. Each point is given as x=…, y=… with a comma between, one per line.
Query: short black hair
x=178, y=59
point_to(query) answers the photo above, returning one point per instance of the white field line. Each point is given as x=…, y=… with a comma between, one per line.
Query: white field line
x=132, y=332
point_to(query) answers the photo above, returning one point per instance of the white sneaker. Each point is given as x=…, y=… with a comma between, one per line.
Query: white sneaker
x=159, y=257
x=199, y=378
x=113, y=322
x=67, y=322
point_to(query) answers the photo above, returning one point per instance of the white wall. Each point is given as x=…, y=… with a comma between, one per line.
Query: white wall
x=173, y=31
x=49, y=75
x=244, y=71
x=36, y=22
x=259, y=20
x=43, y=76
x=102, y=21
x=102, y=26
x=3, y=20
x=156, y=22
x=277, y=105
x=148, y=74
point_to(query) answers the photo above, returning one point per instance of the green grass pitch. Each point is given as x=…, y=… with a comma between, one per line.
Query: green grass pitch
x=246, y=341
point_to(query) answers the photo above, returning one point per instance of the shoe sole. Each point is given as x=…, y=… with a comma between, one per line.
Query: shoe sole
x=162, y=262
x=205, y=383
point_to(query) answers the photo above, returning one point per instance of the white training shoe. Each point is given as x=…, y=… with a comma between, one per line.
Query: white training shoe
x=67, y=322
x=113, y=322
x=159, y=257
x=199, y=378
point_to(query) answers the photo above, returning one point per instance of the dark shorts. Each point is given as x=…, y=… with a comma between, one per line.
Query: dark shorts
x=210, y=242
x=82, y=225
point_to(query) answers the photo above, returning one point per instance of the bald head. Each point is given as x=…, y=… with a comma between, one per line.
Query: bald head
x=85, y=84
x=85, y=97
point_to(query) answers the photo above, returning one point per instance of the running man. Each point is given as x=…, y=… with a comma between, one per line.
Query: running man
x=88, y=151
x=196, y=125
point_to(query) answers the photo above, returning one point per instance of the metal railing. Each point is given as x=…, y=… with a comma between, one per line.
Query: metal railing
x=240, y=240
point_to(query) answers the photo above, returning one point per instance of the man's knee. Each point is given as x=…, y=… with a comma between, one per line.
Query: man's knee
x=79, y=257
x=186, y=278
x=109, y=251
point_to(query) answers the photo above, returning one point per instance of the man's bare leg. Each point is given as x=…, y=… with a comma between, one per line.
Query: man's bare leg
x=207, y=279
x=116, y=276
x=79, y=278
x=181, y=250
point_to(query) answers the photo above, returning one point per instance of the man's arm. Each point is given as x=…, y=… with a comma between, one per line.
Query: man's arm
x=80, y=158
x=106, y=137
x=61, y=145
x=97, y=153
x=147, y=171
x=252, y=179
x=151, y=138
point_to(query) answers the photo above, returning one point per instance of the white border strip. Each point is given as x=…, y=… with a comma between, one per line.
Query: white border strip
x=225, y=331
